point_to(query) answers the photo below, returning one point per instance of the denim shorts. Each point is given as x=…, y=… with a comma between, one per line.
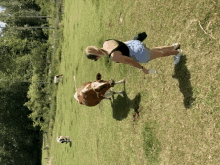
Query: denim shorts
x=138, y=51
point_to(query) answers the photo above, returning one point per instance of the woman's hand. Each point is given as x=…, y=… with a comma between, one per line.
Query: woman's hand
x=149, y=71
x=145, y=71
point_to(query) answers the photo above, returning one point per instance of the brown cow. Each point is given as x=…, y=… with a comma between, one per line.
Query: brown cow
x=92, y=93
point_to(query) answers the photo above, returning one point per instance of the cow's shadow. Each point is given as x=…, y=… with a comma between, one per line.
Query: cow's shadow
x=182, y=74
x=121, y=105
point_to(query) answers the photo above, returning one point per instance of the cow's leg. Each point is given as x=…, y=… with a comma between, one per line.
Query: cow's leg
x=121, y=92
x=112, y=92
x=108, y=94
x=121, y=81
x=109, y=98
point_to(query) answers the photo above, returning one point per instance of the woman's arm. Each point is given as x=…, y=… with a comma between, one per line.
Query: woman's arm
x=117, y=57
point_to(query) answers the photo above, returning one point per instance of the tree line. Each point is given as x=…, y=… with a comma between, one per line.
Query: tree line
x=23, y=61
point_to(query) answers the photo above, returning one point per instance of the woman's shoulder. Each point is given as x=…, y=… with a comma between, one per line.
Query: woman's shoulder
x=109, y=41
x=105, y=42
x=116, y=54
x=109, y=44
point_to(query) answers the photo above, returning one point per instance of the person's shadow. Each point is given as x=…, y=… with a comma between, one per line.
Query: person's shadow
x=182, y=74
x=122, y=105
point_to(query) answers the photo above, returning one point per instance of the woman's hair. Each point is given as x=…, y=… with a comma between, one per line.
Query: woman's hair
x=92, y=52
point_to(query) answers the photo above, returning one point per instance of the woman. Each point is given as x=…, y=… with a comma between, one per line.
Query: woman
x=132, y=52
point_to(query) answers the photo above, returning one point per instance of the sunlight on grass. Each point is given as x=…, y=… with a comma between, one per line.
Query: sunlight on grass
x=182, y=99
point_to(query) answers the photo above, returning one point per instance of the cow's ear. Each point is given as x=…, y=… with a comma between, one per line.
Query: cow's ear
x=98, y=77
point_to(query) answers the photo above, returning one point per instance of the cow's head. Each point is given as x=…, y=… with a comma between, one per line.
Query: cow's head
x=98, y=78
x=101, y=86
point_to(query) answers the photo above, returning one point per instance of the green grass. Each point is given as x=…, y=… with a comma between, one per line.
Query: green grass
x=179, y=118
x=151, y=144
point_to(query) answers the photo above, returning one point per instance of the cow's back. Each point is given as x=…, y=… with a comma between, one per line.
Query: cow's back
x=81, y=87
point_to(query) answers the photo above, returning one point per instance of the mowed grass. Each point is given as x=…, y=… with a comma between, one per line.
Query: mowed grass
x=179, y=106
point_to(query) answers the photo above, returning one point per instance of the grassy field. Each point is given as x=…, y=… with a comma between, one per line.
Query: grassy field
x=179, y=107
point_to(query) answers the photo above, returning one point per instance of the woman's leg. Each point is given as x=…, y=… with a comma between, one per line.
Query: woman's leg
x=162, y=48
x=155, y=53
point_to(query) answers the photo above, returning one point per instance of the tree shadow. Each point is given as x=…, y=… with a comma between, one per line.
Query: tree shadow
x=182, y=74
x=122, y=105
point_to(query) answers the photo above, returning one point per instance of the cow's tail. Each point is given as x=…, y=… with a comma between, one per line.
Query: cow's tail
x=75, y=82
